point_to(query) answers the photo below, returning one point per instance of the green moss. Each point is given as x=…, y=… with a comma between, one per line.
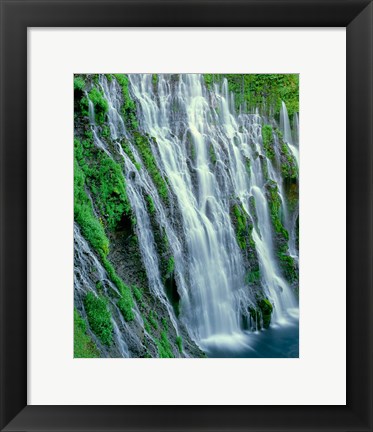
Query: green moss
x=179, y=343
x=84, y=347
x=151, y=206
x=143, y=145
x=95, y=78
x=105, y=131
x=129, y=106
x=263, y=91
x=146, y=324
x=263, y=312
x=105, y=179
x=155, y=80
x=99, y=317
x=274, y=203
x=253, y=277
x=125, y=302
x=170, y=265
x=100, y=104
x=267, y=136
x=164, y=346
x=91, y=228
x=288, y=266
x=248, y=165
x=152, y=317
x=266, y=308
x=241, y=226
x=212, y=154
x=289, y=169
x=252, y=208
x=79, y=84
x=137, y=294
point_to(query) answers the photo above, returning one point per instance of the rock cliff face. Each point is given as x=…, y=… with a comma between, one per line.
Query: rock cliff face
x=185, y=211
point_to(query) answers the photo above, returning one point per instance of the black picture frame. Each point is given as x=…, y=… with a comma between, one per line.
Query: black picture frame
x=16, y=17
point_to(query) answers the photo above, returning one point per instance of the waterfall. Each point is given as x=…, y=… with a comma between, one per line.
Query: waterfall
x=285, y=127
x=213, y=160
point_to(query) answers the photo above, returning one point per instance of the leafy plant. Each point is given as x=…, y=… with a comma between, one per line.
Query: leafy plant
x=84, y=347
x=99, y=317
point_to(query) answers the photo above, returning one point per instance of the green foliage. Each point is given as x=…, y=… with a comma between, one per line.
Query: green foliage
x=253, y=277
x=146, y=324
x=267, y=135
x=100, y=104
x=179, y=343
x=289, y=167
x=248, y=165
x=107, y=186
x=84, y=346
x=99, y=317
x=152, y=317
x=137, y=293
x=125, y=303
x=164, y=347
x=274, y=203
x=252, y=208
x=91, y=228
x=82, y=106
x=241, y=226
x=261, y=90
x=143, y=145
x=129, y=106
x=79, y=84
x=264, y=311
x=288, y=266
x=155, y=80
x=213, y=157
x=170, y=265
x=95, y=78
x=106, y=182
x=151, y=206
x=105, y=131
x=266, y=308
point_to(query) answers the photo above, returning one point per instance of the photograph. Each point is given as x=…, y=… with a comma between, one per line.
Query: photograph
x=186, y=215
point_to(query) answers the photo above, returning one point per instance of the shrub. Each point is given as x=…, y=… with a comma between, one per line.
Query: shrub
x=267, y=136
x=137, y=293
x=91, y=228
x=99, y=317
x=164, y=347
x=153, y=319
x=100, y=104
x=84, y=346
x=79, y=83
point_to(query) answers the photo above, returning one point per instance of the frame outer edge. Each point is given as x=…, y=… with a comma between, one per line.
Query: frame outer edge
x=13, y=366
x=359, y=46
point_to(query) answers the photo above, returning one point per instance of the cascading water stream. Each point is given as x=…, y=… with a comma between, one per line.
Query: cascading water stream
x=214, y=265
x=275, y=286
x=285, y=127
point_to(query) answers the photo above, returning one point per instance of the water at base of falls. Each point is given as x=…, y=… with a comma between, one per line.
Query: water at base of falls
x=279, y=341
